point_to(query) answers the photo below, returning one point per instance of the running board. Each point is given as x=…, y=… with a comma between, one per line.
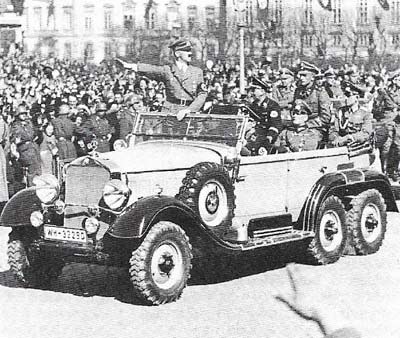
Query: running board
x=293, y=235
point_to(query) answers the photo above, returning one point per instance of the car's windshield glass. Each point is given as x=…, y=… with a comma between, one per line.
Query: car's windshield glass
x=214, y=128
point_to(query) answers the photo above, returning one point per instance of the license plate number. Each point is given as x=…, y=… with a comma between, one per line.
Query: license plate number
x=65, y=234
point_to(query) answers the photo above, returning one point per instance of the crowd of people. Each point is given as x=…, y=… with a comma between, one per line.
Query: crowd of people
x=61, y=109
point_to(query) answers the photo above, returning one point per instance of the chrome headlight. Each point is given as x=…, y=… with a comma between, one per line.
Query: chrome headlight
x=47, y=188
x=116, y=194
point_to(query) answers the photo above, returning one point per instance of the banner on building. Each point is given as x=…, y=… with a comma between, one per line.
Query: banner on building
x=326, y=4
x=262, y=12
x=384, y=4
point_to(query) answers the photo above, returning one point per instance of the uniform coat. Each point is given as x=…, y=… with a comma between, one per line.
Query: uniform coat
x=64, y=131
x=186, y=87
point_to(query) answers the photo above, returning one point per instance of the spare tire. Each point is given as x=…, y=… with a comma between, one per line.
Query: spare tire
x=208, y=190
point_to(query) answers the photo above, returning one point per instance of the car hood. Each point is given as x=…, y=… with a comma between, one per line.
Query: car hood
x=160, y=155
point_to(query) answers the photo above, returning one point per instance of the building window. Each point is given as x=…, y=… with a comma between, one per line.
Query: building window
x=363, y=12
x=210, y=18
x=128, y=21
x=88, y=24
x=192, y=17
x=129, y=48
x=366, y=39
x=37, y=18
x=88, y=52
x=395, y=9
x=308, y=12
x=67, y=50
x=67, y=18
x=172, y=14
x=151, y=18
x=108, y=19
x=107, y=49
x=337, y=11
x=308, y=40
x=395, y=39
x=337, y=40
x=277, y=12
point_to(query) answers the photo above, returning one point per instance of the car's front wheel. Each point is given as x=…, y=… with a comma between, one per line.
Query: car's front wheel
x=160, y=266
x=31, y=270
x=330, y=238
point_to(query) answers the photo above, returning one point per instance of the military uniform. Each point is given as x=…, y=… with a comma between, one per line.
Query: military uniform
x=183, y=89
x=101, y=129
x=343, y=132
x=319, y=103
x=390, y=120
x=126, y=123
x=284, y=96
x=22, y=135
x=64, y=132
x=298, y=139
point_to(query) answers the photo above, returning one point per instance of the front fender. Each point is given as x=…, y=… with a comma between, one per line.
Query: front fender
x=18, y=209
x=137, y=219
x=347, y=183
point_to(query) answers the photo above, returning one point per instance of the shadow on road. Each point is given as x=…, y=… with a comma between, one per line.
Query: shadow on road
x=86, y=280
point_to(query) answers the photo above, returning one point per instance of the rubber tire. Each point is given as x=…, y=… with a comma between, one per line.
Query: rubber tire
x=353, y=220
x=316, y=252
x=140, y=264
x=32, y=272
x=194, y=181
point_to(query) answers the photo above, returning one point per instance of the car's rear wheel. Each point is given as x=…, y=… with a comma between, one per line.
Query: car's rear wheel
x=160, y=266
x=208, y=190
x=330, y=238
x=31, y=270
x=367, y=221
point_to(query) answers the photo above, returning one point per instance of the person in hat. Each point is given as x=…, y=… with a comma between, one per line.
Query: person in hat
x=267, y=117
x=352, y=124
x=389, y=119
x=317, y=100
x=283, y=93
x=185, y=90
x=331, y=86
x=64, y=130
x=351, y=85
x=98, y=126
x=298, y=136
x=23, y=147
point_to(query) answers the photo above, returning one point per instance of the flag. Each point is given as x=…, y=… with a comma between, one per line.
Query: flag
x=147, y=10
x=262, y=12
x=384, y=4
x=326, y=4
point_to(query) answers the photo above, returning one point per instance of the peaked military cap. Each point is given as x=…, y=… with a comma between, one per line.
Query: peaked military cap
x=101, y=107
x=329, y=72
x=308, y=67
x=286, y=72
x=181, y=44
x=258, y=83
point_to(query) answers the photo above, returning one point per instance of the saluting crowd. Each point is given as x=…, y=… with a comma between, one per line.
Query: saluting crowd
x=59, y=110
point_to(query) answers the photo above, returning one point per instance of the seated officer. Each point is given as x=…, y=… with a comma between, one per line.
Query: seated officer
x=352, y=124
x=267, y=118
x=299, y=137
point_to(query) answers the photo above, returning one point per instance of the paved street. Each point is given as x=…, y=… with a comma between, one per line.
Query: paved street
x=89, y=301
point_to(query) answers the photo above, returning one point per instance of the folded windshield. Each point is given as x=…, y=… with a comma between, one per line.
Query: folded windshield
x=213, y=128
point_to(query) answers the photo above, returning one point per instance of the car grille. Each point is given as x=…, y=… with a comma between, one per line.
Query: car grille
x=83, y=188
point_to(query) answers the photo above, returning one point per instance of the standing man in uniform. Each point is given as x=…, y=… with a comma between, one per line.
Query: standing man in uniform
x=23, y=146
x=98, y=125
x=64, y=130
x=317, y=100
x=185, y=89
x=267, y=118
x=283, y=93
x=390, y=120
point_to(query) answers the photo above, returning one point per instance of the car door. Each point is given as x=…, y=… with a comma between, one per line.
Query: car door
x=261, y=190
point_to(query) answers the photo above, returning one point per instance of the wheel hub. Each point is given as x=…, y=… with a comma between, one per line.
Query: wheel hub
x=331, y=230
x=166, y=263
x=371, y=222
x=212, y=202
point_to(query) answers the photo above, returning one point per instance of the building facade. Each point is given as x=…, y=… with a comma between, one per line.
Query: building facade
x=10, y=27
x=93, y=30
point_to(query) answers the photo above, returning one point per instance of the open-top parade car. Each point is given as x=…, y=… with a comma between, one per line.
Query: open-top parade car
x=182, y=190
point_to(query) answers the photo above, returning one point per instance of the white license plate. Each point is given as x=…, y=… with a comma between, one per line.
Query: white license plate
x=65, y=234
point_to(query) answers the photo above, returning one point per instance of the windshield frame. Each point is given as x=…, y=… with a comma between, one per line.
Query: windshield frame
x=243, y=119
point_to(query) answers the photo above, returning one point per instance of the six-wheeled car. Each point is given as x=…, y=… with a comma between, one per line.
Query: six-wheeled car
x=181, y=190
